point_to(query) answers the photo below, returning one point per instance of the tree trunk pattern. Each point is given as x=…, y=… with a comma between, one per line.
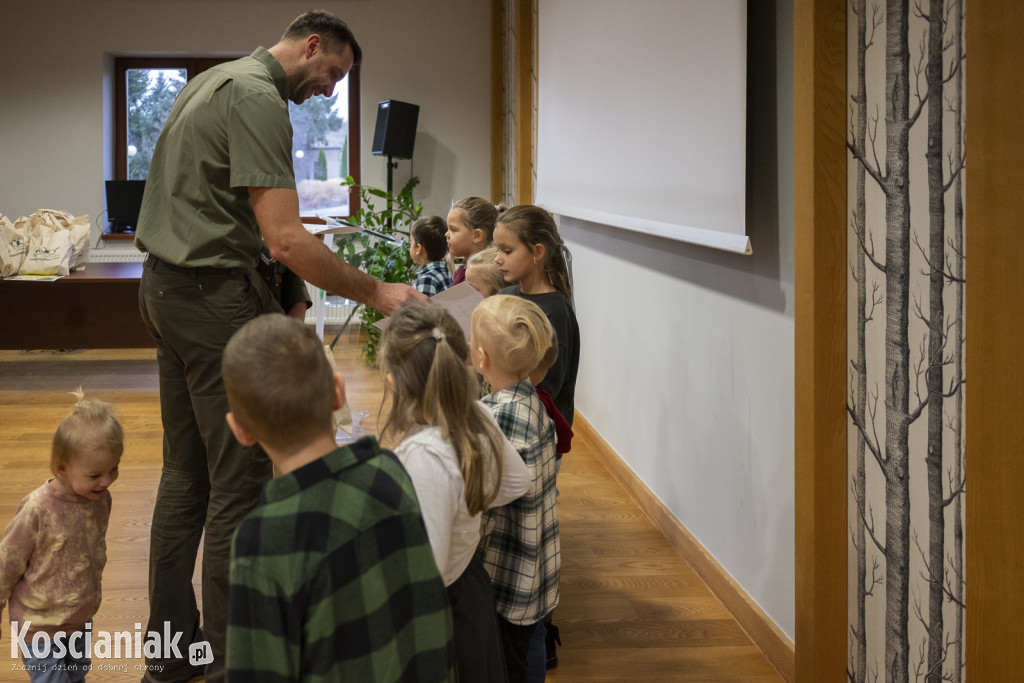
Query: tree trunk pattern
x=897, y=345
x=859, y=659
x=936, y=344
x=920, y=469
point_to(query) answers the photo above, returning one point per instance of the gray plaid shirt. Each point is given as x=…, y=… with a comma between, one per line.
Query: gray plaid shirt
x=520, y=544
x=434, y=278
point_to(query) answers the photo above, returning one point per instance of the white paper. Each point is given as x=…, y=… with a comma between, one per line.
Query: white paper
x=459, y=300
x=331, y=229
x=28, y=277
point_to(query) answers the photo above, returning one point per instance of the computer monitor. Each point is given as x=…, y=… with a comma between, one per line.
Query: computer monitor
x=124, y=199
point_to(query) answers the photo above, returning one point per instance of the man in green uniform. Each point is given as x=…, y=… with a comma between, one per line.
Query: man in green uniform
x=222, y=177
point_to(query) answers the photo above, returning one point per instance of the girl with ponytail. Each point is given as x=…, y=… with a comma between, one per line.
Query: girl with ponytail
x=531, y=254
x=460, y=464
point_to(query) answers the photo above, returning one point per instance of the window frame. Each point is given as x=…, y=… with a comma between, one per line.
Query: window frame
x=193, y=67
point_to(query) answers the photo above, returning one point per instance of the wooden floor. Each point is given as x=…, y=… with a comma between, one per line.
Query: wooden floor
x=631, y=609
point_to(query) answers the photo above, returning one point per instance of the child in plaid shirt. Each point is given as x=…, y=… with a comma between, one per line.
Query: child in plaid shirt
x=428, y=248
x=332, y=576
x=509, y=336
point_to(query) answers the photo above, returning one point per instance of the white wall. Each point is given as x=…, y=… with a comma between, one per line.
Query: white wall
x=54, y=137
x=687, y=353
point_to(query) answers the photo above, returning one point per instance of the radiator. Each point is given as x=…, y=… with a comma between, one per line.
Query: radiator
x=333, y=316
x=336, y=309
x=115, y=256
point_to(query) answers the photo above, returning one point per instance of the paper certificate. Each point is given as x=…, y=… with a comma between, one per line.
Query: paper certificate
x=459, y=300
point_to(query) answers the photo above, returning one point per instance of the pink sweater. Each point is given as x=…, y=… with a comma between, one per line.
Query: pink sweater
x=51, y=560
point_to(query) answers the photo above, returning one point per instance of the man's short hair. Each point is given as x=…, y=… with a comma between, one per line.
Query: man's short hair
x=430, y=232
x=279, y=383
x=333, y=32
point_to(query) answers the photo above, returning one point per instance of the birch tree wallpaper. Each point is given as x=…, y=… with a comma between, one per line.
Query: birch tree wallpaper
x=905, y=312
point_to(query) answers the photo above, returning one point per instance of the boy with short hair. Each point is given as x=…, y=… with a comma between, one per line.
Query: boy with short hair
x=428, y=247
x=332, y=575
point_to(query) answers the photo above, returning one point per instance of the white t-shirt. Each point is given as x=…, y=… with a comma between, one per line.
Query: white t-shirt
x=453, y=533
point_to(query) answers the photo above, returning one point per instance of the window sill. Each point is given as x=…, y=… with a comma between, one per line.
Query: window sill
x=117, y=236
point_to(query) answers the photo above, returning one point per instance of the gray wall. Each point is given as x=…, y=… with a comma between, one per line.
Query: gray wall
x=55, y=61
x=706, y=420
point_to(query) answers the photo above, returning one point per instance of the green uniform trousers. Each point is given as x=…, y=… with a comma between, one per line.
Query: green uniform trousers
x=209, y=482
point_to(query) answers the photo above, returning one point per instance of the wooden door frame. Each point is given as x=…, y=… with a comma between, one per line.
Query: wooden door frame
x=994, y=349
x=819, y=117
x=526, y=27
x=497, y=99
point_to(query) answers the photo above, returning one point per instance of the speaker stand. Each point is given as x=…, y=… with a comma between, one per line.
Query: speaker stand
x=391, y=166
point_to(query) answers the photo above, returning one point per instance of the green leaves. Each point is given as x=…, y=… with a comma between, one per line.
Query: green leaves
x=385, y=254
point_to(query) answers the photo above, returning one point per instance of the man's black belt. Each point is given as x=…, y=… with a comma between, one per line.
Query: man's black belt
x=154, y=263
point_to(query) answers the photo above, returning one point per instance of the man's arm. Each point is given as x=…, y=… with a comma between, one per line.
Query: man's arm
x=277, y=212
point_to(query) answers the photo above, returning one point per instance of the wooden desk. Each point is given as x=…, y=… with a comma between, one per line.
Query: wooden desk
x=95, y=308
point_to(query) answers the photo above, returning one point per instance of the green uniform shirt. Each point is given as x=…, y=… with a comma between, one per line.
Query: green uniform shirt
x=227, y=131
x=333, y=579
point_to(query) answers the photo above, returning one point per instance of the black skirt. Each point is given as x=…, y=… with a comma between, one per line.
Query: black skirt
x=478, y=653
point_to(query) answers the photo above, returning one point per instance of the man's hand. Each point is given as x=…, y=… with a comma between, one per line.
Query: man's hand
x=277, y=212
x=390, y=296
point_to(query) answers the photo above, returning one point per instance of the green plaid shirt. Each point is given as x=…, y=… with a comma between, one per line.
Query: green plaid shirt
x=520, y=546
x=332, y=578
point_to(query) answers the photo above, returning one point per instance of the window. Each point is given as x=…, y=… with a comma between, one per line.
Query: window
x=325, y=139
x=321, y=151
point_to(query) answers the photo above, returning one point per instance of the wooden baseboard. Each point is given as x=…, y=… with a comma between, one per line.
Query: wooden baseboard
x=766, y=635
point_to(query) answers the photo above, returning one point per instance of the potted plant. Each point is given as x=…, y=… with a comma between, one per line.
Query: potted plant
x=382, y=249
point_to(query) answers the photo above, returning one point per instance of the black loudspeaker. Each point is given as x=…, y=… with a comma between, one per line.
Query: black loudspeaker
x=395, y=133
